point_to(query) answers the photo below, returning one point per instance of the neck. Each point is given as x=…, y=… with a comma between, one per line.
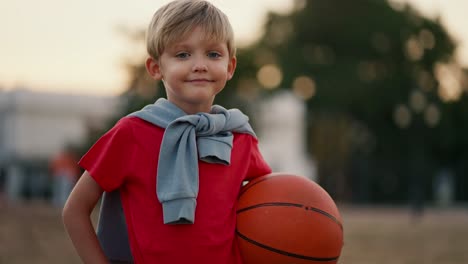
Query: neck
x=194, y=108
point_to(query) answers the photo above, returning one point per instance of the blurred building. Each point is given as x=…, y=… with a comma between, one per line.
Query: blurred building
x=281, y=128
x=34, y=126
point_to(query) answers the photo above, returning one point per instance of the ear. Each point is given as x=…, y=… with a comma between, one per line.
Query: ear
x=153, y=68
x=231, y=67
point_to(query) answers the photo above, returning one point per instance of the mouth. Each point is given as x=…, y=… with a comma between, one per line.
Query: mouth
x=199, y=81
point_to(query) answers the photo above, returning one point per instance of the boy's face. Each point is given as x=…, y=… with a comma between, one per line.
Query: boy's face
x=193, y=70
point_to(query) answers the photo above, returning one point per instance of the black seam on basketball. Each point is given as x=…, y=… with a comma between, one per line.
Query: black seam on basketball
x=289, y=254
x=269, y=204
x=326, y=214
x=292, y=205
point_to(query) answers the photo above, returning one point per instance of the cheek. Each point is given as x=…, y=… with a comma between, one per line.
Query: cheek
x=172, y=72
x=222, y=70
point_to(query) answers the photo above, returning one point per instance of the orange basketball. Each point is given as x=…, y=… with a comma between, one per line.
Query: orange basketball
x=284, y=218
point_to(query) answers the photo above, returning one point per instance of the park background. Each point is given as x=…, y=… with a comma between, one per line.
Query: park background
x=382, y=88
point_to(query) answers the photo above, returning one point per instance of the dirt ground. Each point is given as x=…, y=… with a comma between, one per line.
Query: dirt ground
x=33, y=233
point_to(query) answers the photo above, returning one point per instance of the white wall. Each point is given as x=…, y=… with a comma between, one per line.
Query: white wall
x=34, y=126
x=281, y=126
x=37, y=125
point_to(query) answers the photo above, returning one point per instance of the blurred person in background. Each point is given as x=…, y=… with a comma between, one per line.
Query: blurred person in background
x=2, y=185
x=65, y=172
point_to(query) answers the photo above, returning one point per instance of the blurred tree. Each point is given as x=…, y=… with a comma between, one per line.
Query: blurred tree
x=384, y=100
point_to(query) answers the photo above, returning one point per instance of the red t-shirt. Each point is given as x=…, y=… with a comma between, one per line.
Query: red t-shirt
x=126, y=157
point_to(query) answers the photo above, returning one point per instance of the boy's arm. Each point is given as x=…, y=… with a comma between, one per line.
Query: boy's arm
x=76, y=218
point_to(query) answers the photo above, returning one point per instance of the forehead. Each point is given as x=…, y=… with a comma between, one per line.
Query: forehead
x=200, y=36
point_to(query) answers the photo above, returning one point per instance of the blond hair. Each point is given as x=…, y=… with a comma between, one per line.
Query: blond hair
x=173, y=21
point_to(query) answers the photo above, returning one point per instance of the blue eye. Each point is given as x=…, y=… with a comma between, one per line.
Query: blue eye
x=214, y=55
x=182, y=55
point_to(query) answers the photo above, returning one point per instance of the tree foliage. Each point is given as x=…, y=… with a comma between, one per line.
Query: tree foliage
x=380, y=110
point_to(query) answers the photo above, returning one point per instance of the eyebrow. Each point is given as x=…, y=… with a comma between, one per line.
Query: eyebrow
x=179, y=46
x=183, y=46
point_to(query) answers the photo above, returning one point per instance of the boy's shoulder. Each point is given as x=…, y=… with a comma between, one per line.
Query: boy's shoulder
x=134, y=121
x=133, y=124
x=244, y=137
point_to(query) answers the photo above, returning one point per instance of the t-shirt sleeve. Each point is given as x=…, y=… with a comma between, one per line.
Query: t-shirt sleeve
x=110, y=159
x=257, y=165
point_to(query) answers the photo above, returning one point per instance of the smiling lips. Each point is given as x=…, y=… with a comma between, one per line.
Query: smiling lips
x=199, y=81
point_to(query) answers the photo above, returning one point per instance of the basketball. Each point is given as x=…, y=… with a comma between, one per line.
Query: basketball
x=287, y=219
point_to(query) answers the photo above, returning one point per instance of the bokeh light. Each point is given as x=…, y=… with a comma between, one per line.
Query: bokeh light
x=418, y=101
x=449, y=77
x=427, y=39
x=270, y=76
x=432, y=115
x=402, y=116
x=414, y=50
x=425, y=81
x=304, y=87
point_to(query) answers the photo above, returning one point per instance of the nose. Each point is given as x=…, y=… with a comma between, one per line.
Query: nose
x=199, y=65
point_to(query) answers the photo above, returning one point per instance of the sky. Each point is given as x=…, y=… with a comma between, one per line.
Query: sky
x=75, y=46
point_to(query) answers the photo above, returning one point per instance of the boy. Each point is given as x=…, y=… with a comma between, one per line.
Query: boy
x=178, y=164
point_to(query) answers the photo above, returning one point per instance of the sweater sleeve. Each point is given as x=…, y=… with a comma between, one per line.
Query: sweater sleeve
x=111, y=158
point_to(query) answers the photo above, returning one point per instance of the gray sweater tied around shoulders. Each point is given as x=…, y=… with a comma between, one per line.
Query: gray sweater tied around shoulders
x=187, y=138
